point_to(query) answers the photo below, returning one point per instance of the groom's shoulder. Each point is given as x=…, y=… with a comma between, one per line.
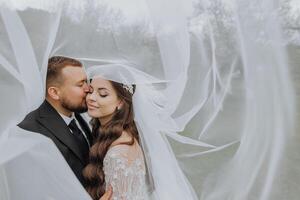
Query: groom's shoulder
x=30, y=121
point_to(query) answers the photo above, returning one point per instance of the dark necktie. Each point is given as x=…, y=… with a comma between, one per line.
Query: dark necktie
x=79, y=136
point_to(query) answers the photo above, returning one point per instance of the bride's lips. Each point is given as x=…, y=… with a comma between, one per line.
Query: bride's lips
x=92, y=106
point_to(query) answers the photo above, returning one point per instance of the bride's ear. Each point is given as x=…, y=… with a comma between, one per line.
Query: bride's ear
x=120, y=105
x=53, y=93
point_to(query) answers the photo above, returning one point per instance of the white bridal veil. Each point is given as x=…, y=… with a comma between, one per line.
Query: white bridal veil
x=219, y=78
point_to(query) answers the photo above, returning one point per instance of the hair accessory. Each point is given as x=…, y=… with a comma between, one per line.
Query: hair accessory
x=128, y=88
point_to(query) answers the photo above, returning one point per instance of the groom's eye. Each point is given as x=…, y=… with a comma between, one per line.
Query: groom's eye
x=81, y=84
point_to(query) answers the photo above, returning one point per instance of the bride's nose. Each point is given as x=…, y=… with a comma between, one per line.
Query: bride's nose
x=91, y=96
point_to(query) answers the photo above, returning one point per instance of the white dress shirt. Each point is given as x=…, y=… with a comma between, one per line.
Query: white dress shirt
x=68, y=121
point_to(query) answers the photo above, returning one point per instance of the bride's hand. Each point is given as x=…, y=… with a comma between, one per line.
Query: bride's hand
x=108, y=194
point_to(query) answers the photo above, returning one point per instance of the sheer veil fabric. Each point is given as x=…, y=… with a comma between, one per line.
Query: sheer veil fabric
x=216, y=99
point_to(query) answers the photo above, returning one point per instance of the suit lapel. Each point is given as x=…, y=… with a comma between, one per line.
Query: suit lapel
x=51, y=120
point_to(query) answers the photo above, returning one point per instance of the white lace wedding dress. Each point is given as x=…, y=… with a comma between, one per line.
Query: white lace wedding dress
x=125, y=171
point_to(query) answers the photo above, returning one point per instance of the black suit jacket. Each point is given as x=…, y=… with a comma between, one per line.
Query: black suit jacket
x=46, y=121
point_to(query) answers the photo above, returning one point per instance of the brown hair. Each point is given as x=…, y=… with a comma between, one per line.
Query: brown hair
x=55, y=65
x=104, y=136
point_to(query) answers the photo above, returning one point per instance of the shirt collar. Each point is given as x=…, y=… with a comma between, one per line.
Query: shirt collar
x=66, y=118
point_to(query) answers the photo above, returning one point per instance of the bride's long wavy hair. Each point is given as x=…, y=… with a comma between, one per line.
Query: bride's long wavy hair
x=104, y=136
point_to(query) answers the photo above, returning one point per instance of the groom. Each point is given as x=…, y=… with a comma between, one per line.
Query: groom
x=58, y=117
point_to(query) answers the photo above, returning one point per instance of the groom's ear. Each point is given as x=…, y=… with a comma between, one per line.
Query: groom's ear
x=53, y=93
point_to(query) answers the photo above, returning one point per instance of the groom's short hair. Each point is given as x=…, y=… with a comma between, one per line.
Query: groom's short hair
x=55, y=66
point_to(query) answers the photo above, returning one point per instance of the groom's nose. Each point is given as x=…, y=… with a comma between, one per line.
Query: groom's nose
x=86, y=88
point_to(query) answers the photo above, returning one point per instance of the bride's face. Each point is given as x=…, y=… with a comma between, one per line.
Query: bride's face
x=102, y=101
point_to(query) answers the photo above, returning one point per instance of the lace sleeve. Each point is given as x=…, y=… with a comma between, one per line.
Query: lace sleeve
x=125, y=172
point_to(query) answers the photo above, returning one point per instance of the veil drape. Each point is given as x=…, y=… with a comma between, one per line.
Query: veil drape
x=226, y=72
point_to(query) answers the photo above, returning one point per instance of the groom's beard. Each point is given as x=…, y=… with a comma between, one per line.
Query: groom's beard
x=77, y=108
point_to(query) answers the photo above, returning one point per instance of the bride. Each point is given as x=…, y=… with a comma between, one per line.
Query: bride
x=116, y=157
x=130, y=153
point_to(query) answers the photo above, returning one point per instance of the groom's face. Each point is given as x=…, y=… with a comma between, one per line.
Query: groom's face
x=74, y=89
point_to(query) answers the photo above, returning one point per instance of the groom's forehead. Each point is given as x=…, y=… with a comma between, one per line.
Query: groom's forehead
x=74, y=73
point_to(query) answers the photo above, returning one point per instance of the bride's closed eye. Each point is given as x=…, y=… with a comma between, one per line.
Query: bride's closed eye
x=103, y=95
x=102, y=92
